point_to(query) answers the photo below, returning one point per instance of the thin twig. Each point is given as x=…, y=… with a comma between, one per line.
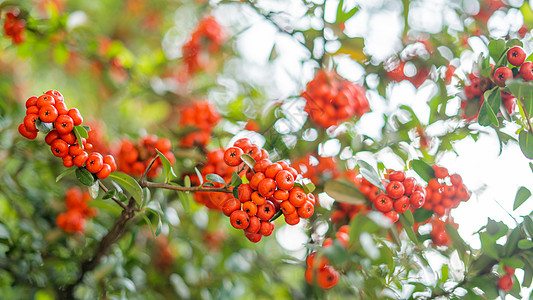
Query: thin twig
x=103, y=187
x=144, y=183
x=143, y=178
x=527, y=116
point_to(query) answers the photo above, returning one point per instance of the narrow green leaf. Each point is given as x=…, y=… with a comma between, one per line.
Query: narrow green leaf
x=490, y=107
x=275, y=216
x=167, y=167
x=129, y=184
x=187, y=181
x=248, y=160
x=235, y=179
x=159, y=226
x=457, y=241
x=94, y=189
x=423, y=169
x=215, y=178
x=149, y=223
x=200, y=177
x=84, y=176
x=344, y=191
x=512, y=262
x=525, y=244
x=521, y=196
x=409, y=217
x=80, y=132
x=522, y=90
x=407, y=226
x=65, y=173
x=531, y=166
x=525, y=140
x=208, y=184
x=110, y=194
x=370, y=174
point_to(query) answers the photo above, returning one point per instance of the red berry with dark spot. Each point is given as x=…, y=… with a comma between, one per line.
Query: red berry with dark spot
x=239, y=219
x=232, y=156
x=526, y=71
x=395, y=189
x=383, y=203
x=516, y=56
x=401, y=204
x=501, y=75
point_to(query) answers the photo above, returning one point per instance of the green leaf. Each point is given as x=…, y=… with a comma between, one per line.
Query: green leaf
x=215, y=178
x=187, y=181
x=248, y=160
x=208, y=184
x=409, y=217
x=84, y=176
x=149, y=223
x=457, y=241
x=308, y=186
x=129, y=184
x=235, y=179
x=525, y=244
x=94, y=189
x=512, y=241
x=521, y=196
x=65, y=173
x=344, y=191
x=496, y=49
x=525, y=140
x=490, y=107
x=488, y=245
x=110, y=194
x=423, y=169
x=4, y=232
x=80, y=132
x=407, y=226
x=167, y=167
x=370, y=174
x=531, y=166
x=43, y=127
x=512, y=262
x=200, y=177
x=422, y=214
x=522, y=90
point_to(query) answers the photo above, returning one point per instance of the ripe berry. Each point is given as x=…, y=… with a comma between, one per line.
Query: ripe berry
x=448, y=191
x=266, y=228
x=284, y=180
x=526, y=71
x=392, y=216
x=25, y=133
x=516, y=56
x=255, y=225
x=163, y=145
x=245, y=192
x=51, y=136
x=508, y=270
x=306, y=210
x=254, y=182
x=327, y=277
x=266, y=211
x=281, y=195
x=59, y=148
x=297, y=197
x=45, y=100
x=32, y=110
x=397, y=176
x=272, y=170
x=31, y=102
x=287, y=207
x=110, y=160
x=94, y=162
x=267, y=187
x=230, y=206
x=75, y=150
x=67, y=161
x=409, y=185
x=232, y=156
x=383, y=203
x=104, y=172
x=395, y=189
x=48, y=113
x=262, y=165
x=311, y=198
x=253, y=237
x=57, y=95
x=456, y=179
x=242, y=143
x=61, y=108
x=29, y=122
x=417, y=199
x=401, y=204
x=253, y=151
x=257, y=199
x=80, y=159
x=440, y=172
x=292, y=221
x=75, y=114
x=70, y=138
x=250, y=208
x=239, y=219
x=501, y=75
x=64, y=124
x=505, y=283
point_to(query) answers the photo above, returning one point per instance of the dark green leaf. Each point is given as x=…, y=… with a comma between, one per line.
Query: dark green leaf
x=421, y=215
x=248, y=160
x=423, y=169
x=490, y=107
x=457, y=241
x=235, y=179
x=512, y=262
x=167, y=167
x=80, y=132
x=525, y=140
x=488, y=245
x=110, y=194
x=344, y=191
x=522, y=90
x=408, y=229
x=512, y=241
x=496, y=49
x=84, y=176
x=521, y=196
x=208, y=184
x=215, y=178
x=65, y=173
x=129, y=184
x=409, y=217
x=275, y=216
x=370, y=174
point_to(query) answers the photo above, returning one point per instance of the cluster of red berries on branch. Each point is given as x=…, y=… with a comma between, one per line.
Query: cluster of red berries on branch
x=343, y=213
x=206, y=39
x=134, y=158
x=506, y=282
x=15, y=27
x=332, y=100
x=271, y=189
x=78, y=211
x=439, y=235
x=318, y=269
x=50, y=111
x=401, y=193
x=203, y=116
x=214, y=165
x=445, y=191
x=317, y=168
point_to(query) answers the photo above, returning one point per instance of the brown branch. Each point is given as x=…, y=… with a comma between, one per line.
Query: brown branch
x=144, y=183
x=105, y=189
x=109, y=239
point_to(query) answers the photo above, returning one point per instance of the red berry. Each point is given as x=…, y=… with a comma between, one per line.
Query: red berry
x=64, y=124
x=25, y=133
x=239, y=219
x=257, y=199
x=297, y=197
x=267, y=187
x=526, y=71
x=29, y=122
x=245, y=192
x=57, y=95
x=281, y=195
x=75, y=114
x=230, y=206
x=250, y=208
x=31, y=102
x=254, y=152
x=306, y=210
x=272, y=170
x=266, y=211
x=401, y=204
x=51, y=136
x=392, y=216
x=266, y=228
x=48, y=113
x=110, y=160
x=254, y=182
x=61, y=108
x=409, y=185
x=104, y=172
x=262, y=165
x=508, y=270
x=95, y=162
x=456, y=179
x=417, y=199
x=242, y=143
x=284, y=180
x=232, y=156
x=327, y=277
x=501, y=75
x=287, y=207
x=255, y=225
x=70, y=138
x=395, y=189
x=45, y=100
x=59, y=148
x=383, y=203
x=516, y=56
x=505, y=283
x=397, y=176
x=80, y=159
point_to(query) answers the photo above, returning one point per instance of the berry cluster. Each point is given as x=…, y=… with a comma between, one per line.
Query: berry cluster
x=445, y=191
x=15, y=27
x=344, y=212
x=207, y=38
x=400, y=194
x=78, y=211
x=203, y=116
x=332, y=99
x=318, y=268
x=506, y=282
x=215, y=165
x=134, y=158
x=439, y=235
x=271, y=189
x=316, y=167
x=50, y=111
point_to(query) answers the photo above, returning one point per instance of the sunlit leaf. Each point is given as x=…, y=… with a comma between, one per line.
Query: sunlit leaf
x=129, y=184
